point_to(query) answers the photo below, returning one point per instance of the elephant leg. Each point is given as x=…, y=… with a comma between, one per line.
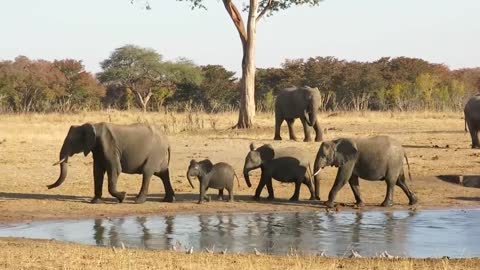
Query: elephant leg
x=306, y=130
x=142, y=195
x=388, y=201
x=296, y=193
x=112, y=185
x=203, y=190
x=403, y=185
x=230, y=194
x=269, y=184
x=318, y=131
x=220, y=194
x=308, y=183
x=260, y=187
x=291, y=132
x=316, y=180
x=98, y=174
x=278, y=124
x=473, y=129
x=356, y=190
x=169, y=193
x=344, y=173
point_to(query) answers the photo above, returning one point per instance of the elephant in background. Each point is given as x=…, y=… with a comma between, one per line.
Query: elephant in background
x=472, y=119
x=133, y=149
x=378, y=158
x=298, y=102
x=287, y=165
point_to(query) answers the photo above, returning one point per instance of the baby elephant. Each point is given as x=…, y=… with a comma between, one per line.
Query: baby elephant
x=218, y=176
x=378, y=158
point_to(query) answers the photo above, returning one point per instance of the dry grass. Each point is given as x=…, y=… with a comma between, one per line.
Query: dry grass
x=40, y=254
x=30, y=144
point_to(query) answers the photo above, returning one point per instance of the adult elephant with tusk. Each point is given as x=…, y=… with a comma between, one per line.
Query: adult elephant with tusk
x=378, y=158
x=133, y=149
x=298, y=102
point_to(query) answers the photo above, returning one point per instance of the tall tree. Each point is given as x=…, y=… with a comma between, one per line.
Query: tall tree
x=256, y=9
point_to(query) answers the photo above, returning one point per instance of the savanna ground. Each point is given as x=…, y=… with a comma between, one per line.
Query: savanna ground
x=436, y=144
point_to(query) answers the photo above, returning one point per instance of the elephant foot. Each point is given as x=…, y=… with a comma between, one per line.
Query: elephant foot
x=121, y=196
x=307, y=139
x=475, y=146
x=313, y=198
x=293, y=199
x=140, y=199
x=294, y=139
x=220, y=198
x=318, y=139
x=359, y=204
x=200, y=202
x=387, y=203
x=96, y=200
x=413, y=200
x=329, y=204
x=256, y=198
x=270, y=198
x=169, y=199
x=277, y=138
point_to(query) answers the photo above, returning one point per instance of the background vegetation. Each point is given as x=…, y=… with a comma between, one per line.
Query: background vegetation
x=135, y=77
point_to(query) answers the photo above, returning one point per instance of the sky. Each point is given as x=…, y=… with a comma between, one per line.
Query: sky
x=439, y=31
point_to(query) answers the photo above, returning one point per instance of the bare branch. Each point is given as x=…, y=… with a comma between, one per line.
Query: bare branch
x=236, y=17
x=265, y=9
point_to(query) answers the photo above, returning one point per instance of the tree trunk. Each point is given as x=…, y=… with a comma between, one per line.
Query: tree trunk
x=247, y=101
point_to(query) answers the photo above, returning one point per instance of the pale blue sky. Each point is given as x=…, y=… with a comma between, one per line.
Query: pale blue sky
x=440, y=31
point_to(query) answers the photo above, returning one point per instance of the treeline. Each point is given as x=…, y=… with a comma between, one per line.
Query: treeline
x=135, y=77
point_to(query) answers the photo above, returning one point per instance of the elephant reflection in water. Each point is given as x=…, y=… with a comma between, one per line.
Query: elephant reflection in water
x=217, y=231
x=369, y=234
x=100, y=231
x=112, y=232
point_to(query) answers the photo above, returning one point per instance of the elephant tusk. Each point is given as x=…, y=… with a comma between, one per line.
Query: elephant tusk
x=60, y=161
x=317, y=172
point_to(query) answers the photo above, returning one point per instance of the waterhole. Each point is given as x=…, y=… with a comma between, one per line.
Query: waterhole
x=427, y=233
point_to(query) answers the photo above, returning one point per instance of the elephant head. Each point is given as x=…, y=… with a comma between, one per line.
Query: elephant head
x=335, y=153
x=312, y=103
x=198, y=169
x=79, y=139
x=256, y=158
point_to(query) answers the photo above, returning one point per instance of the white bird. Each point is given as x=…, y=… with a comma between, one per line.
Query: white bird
x=323, y=254
x=190, y=251
x=386, y=255
x=355, y=254
x=224, y=251
x=256, y=252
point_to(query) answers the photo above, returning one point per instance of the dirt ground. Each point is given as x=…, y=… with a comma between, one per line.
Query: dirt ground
x=44, y=254
x=437, y=146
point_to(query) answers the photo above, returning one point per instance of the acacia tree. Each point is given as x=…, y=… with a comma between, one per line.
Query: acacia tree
x=256, y=9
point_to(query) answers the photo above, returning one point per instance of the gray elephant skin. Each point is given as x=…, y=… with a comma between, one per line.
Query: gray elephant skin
x=472, y=119
x=373, y=158
x=288, y=165
x=298, y=102
x=217, y=176
x=133, y=149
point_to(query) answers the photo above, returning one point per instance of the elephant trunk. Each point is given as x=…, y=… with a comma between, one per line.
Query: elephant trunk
x=190, y=180
x=247, y=177
x=307, y=117
x=63, y=168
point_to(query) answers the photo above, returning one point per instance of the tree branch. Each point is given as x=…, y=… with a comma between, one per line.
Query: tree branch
x=236, y=17
x=265, y=9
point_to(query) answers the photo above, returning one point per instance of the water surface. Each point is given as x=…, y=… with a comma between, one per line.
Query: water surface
x=429, y=233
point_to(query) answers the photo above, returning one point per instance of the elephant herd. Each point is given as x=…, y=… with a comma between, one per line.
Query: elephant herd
x=144, y=149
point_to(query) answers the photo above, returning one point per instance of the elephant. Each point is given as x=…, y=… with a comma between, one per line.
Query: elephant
x=287, y=165
x=371, y=158
x=298, y=102
x=219, y=176
x=133, y=149
x=472, y=119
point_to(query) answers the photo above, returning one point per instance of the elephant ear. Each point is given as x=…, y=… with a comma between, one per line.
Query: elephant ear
x=89, y=138
x=345, y=151
x=266, y=152
x=109, y=145
x=252, y=146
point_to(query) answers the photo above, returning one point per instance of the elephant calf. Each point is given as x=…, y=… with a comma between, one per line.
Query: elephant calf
x=372, y=158
x=133, y=149
x=288, y=165
x=219, y=176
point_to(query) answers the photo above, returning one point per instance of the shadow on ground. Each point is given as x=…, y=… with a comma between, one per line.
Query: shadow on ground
x=464, y=180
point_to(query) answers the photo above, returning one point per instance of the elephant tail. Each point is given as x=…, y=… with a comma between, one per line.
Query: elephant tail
x=465, y=121
x=238, y=181
x=408, y=166
x=168, y=160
